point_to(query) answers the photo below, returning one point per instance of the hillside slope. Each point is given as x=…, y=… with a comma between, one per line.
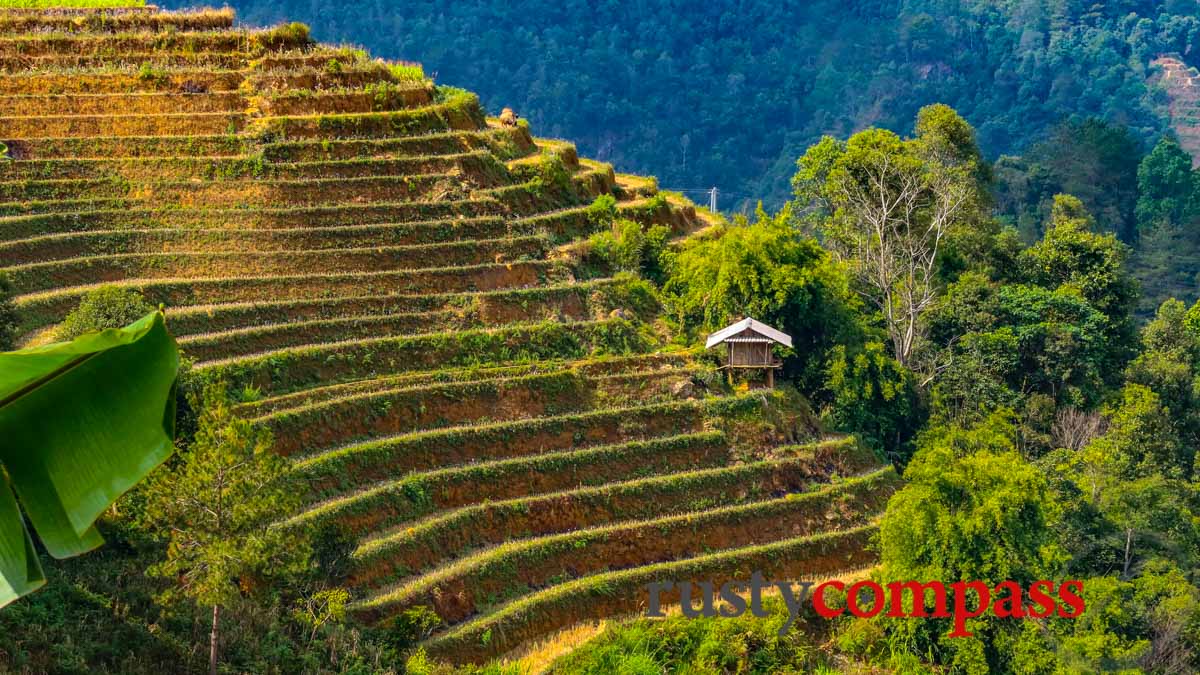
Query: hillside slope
x=1182, y=85
x=378, y=271
x=730, y=94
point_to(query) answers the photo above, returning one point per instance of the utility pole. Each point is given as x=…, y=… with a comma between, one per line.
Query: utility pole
x=712, y=200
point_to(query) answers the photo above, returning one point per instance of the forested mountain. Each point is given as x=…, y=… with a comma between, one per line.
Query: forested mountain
x=730, y=93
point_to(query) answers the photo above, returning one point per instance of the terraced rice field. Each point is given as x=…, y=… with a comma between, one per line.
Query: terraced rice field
x=1182, y=84
x=383, y=275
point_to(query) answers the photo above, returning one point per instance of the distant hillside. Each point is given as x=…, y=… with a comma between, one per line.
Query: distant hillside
x=729, y=94
x=1182, y=85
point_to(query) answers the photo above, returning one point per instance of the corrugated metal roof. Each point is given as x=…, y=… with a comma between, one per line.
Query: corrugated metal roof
x=756, y=326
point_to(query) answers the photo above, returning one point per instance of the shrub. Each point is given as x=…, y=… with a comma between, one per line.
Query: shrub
x=680, y=644
x=287, y=35
x=9, y=320
x=407, y=72
x=602, y=211
x=872, y=395
x=627, y=247
x=105, y=307
x=769, y=271
x=412, y=626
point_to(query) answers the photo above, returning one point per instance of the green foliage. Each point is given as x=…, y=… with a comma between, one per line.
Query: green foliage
x=602, y=212
x=407, y=72
x=215, y=507
x=1142, y=439
x=412, y=626
x=973, y=509
x=678, y=644
x=872, y=396
x=1111, y=634
x=84, y=421
x=292, y=35
x=1101, y=169
x=769, y=271
x=216, y=504
x=1074, y=258
x=1018, y=346
x=990, y=513
x=10, y=321
x=886, y=206
x=105, y=307
x=629, y=247
x=1166, y=187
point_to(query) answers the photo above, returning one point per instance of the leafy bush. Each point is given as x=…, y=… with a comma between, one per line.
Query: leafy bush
x=603, y=211
x=105, y=307
x=629, y=248
x=769, y=271
x=9, y=320
x=286, y=35
x=412, y=626
x=874, y=396
x=407, y=72
x=973, y=509
x=718, y=645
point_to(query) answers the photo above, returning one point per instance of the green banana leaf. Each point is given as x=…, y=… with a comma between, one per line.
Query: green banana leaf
x=80, y=423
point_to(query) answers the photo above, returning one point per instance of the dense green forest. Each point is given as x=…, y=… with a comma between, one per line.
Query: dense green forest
x=729, y=94
x=1043, y=435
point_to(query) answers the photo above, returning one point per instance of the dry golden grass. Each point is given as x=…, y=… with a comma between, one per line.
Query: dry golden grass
x=538, y=658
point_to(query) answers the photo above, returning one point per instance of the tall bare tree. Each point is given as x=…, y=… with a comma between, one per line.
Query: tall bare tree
x=887, y=206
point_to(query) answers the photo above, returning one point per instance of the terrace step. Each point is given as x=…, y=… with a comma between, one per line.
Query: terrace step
x=168, y=240
x=229, y=166
x=212, y=194
x=439, y=534
x=378, y=99
x=353, y=76
x=286, y=371
x=83, y=149
x=357, y=466
x=113, y=20
x=433, y=143
x=113, y=46
x=142, y=103
x=594, y=365
x=362, y=416
x=143, y=267
x=467, y=586
x=539, y=614
x=122, y=80
x=568, y=305
x=26, y=219
x=39, y=310
x=591, y=467
x=100, y=63
x=216, y=123
x=459, y=114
